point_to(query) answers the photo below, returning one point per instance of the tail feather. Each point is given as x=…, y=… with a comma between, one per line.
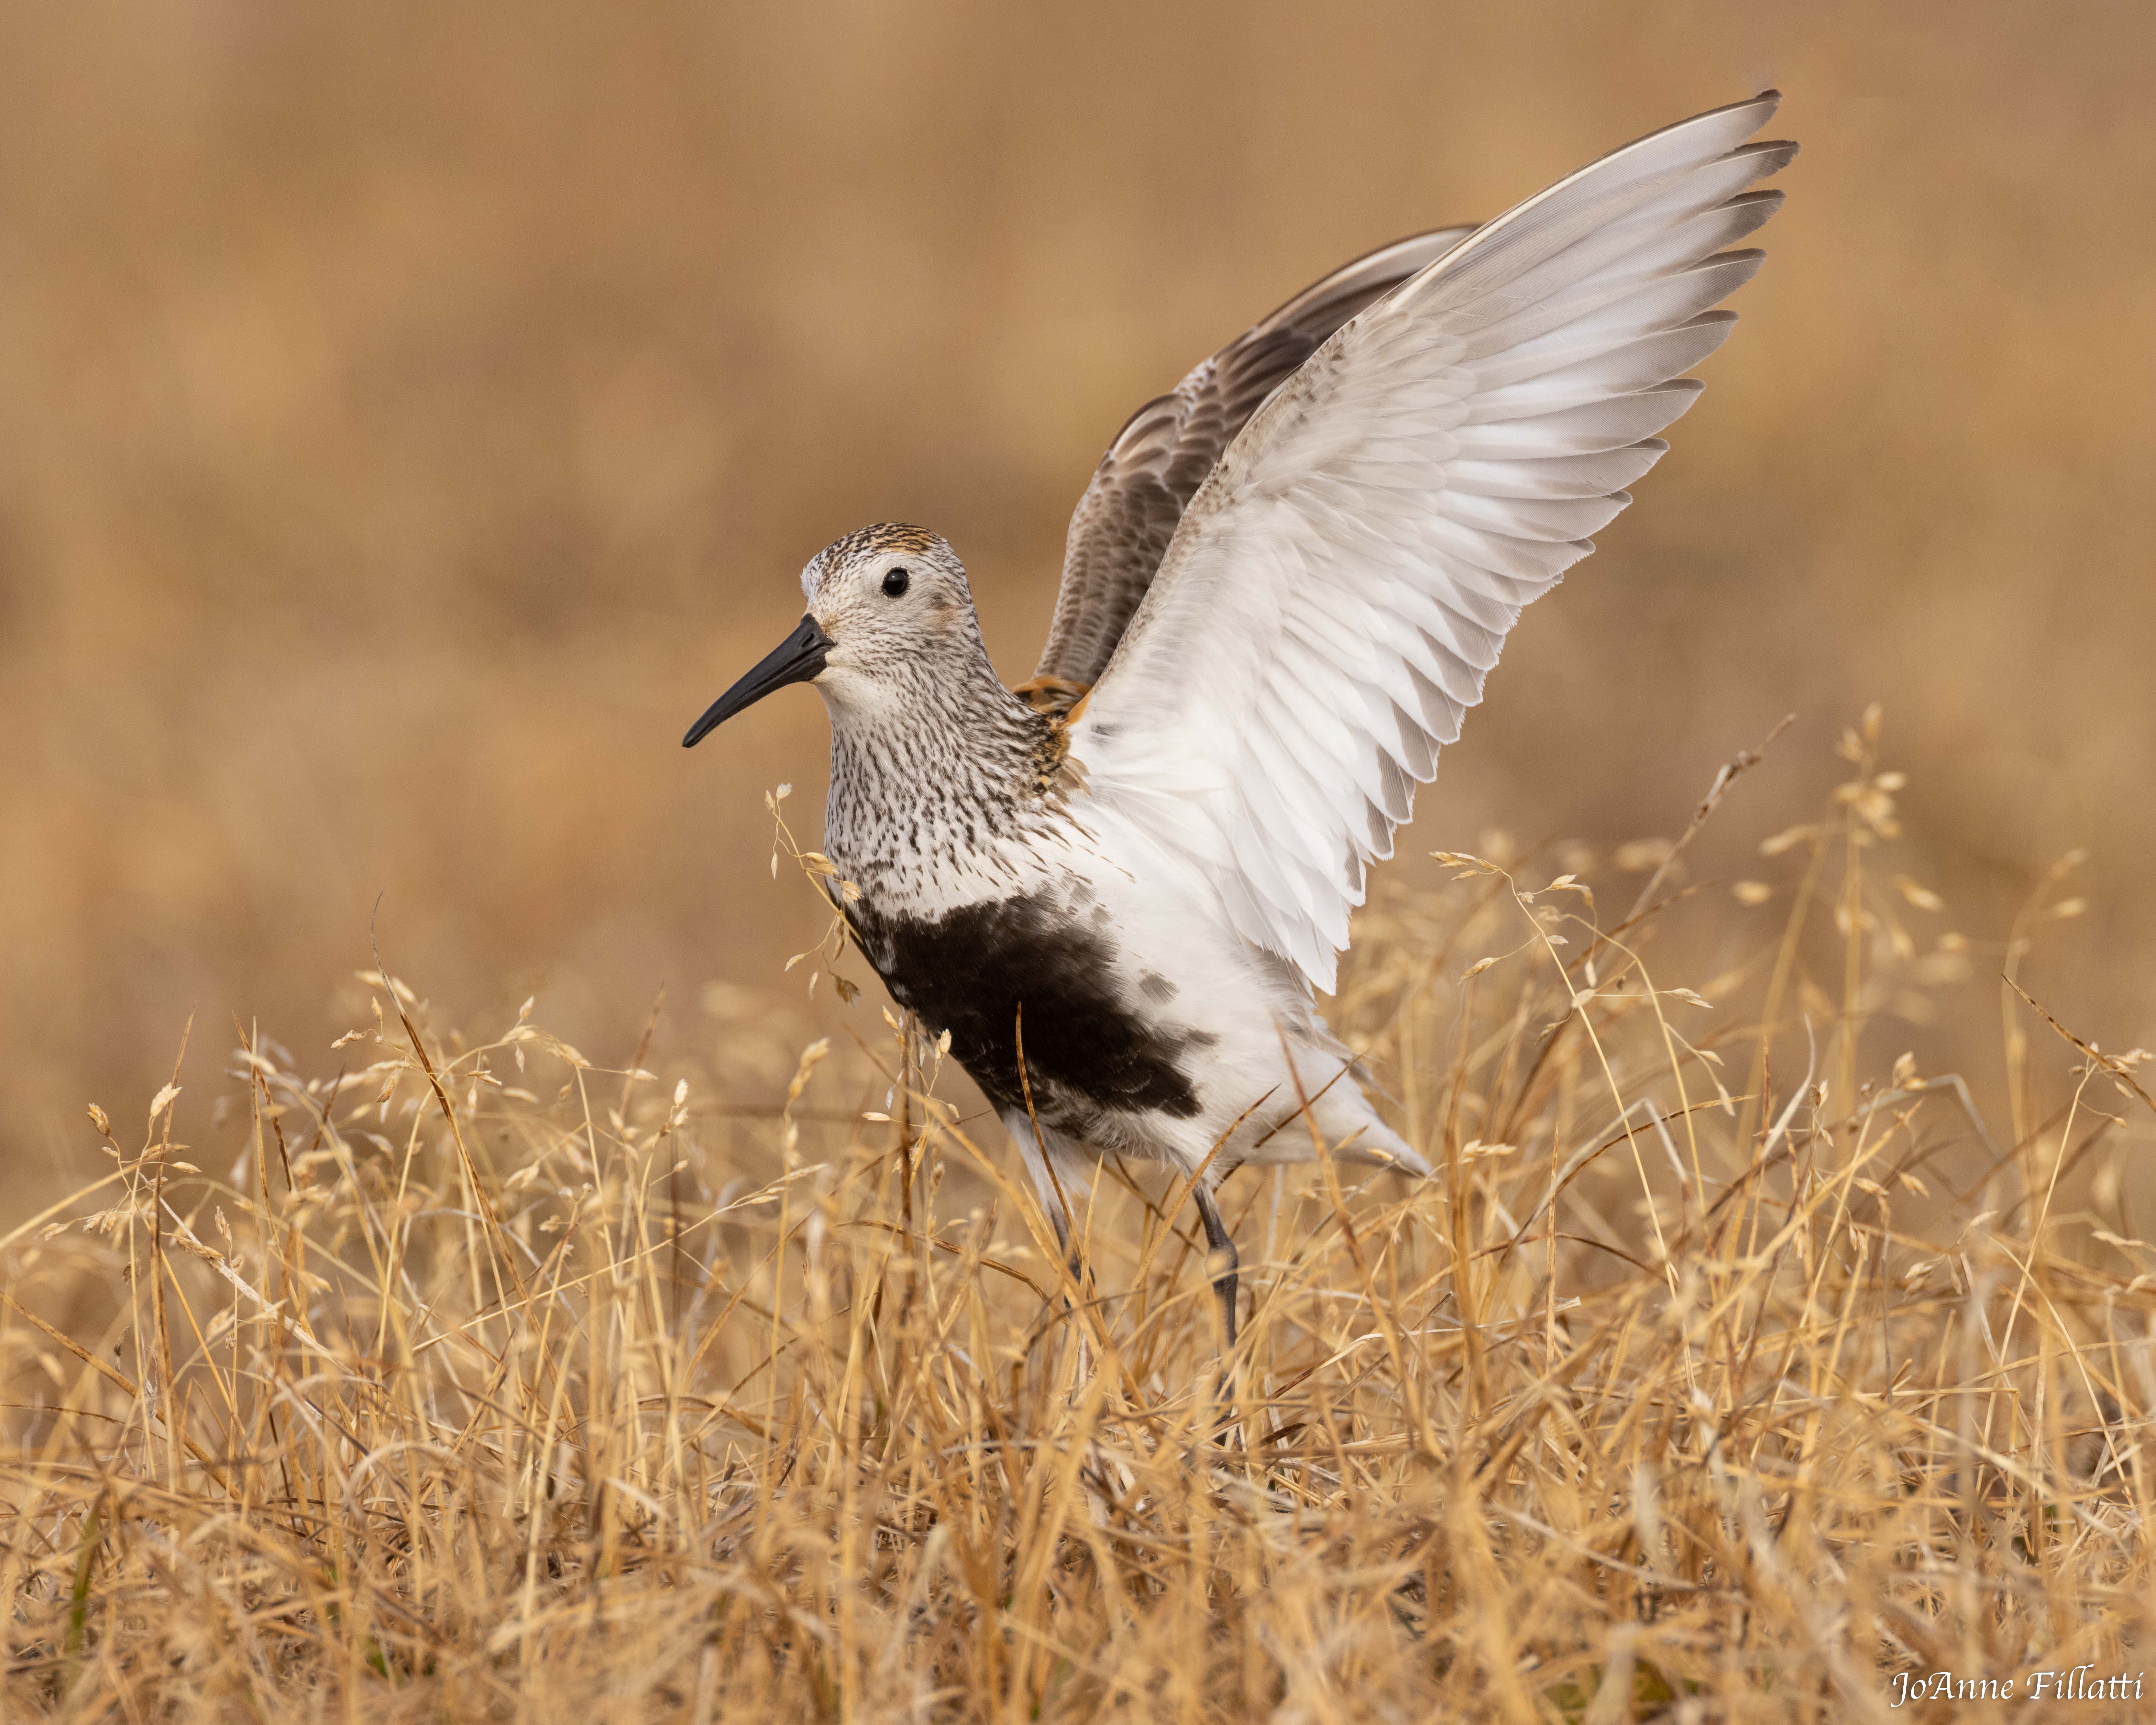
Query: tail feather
x=1380, y=1144
x=1351, y=1129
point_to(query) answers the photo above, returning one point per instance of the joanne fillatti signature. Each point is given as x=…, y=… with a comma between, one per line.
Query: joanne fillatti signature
x=2076, y=1683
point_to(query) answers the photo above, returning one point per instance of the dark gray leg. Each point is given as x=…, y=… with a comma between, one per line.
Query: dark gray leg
x=1079, y=1271
x=1035, y=1157
x=1071, y=1255
x=1221, y=1241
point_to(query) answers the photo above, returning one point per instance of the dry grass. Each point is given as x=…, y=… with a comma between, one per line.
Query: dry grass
x=491, y=1384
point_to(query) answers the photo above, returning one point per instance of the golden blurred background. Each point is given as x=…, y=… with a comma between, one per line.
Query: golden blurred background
x=411, y=416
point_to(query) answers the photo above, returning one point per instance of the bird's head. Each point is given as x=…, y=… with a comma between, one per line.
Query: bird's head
x=887, y=606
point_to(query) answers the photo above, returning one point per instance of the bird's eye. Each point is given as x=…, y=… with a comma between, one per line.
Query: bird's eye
x=895, y=581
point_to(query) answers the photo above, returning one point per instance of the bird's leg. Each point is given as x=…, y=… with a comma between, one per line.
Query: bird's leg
x=1033, y=1146
x=1223, y=1244
x=1075, y=1259
x=1073, y=1254
x=1061, y=1224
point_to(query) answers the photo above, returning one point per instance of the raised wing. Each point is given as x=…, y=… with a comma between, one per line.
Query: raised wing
x=1341, y=583
x=1123, y=523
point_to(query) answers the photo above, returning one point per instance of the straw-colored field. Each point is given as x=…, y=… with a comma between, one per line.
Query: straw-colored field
x=1720, y=1372
x=412, y=415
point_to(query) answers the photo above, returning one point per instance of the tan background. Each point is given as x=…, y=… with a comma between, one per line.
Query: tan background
x=411, y=416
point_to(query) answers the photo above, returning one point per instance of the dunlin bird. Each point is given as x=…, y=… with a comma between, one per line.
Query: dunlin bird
x=1117, y=885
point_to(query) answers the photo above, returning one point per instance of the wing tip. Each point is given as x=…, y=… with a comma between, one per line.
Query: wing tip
x=1767, y=101
x=1758, y=109
x=1757, y=195
x=1774, y=154
x=1753, y=112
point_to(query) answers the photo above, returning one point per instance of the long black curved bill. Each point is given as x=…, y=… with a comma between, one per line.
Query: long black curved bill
x=797, y=659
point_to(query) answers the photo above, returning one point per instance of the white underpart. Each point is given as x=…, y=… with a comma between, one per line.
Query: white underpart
x=1274, y=1070
x=1342, y=583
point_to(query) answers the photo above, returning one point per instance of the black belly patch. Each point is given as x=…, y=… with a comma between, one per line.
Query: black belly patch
x=971, y=972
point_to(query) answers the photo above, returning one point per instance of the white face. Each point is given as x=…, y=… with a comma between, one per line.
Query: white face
x=894, y=601
x=889, y=616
